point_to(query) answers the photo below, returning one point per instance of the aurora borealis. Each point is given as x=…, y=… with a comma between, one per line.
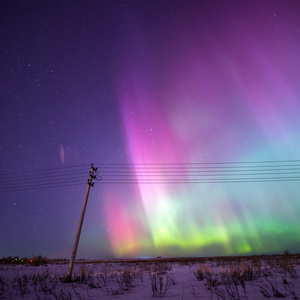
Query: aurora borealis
x=170, y=82
x=224, y=93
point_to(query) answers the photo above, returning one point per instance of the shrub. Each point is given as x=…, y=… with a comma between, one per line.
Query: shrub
x=39, y=260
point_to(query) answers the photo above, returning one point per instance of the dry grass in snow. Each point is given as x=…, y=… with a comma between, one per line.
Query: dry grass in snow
x=199, y=278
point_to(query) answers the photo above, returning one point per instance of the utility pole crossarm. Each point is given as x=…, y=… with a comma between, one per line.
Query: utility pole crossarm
x=73, y=256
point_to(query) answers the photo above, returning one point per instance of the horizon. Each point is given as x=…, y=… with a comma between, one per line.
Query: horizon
x=173, y=258
x=142, y=259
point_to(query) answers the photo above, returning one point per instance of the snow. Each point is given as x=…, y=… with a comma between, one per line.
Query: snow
x=217, y=278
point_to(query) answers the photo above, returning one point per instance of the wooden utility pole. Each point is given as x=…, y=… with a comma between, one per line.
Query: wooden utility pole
x=72, y=261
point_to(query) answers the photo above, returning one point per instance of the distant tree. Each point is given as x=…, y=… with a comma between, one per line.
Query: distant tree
x=39, y=260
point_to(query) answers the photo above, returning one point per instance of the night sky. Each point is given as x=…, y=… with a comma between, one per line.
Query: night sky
x=149, y=88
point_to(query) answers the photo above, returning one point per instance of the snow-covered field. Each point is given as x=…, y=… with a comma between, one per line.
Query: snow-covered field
x=214, y=278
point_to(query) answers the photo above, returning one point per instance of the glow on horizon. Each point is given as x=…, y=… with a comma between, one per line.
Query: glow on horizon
x=214, y=102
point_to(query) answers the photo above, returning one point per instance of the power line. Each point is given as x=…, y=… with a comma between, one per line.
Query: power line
x=189, y=173
x=204, y=181
x=156, y=173
x=273, y=163
x=37, y=176
x=47, y=171
x=43, y=178
x=199, y=163
x=159, y=173
x=16, y=189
